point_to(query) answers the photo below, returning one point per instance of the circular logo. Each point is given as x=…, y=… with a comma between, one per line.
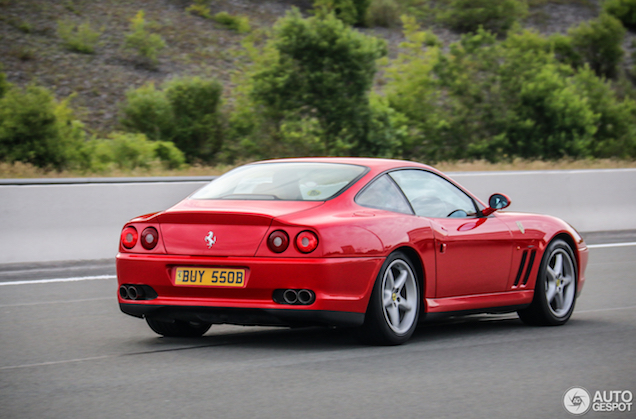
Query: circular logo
x=577, y=401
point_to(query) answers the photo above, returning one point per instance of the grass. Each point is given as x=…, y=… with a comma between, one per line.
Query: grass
x=20, y=170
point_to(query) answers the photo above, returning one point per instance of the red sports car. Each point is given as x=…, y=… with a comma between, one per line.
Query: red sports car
x=367, y=243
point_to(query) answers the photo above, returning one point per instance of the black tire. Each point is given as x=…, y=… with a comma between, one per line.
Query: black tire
x=178, y=328
x=555, y=289
x=394, y=308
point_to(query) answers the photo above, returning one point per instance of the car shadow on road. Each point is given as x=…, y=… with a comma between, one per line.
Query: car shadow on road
x=321, y=338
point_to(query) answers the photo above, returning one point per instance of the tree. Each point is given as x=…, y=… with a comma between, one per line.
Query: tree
x=318, y=69
x=185, y=111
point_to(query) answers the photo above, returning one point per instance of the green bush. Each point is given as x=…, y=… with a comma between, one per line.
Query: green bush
x=128, y=151
x=185, y=112
x=623, y=10
x=361, y=9
x=496, y=100
x=200, y=8
x=78, y=38
x=598, y=43
x=240, y=24
x=148, y=110
x=385, y=13
x=616, y=126
x=146, y=44
x=316, y=69
x=553, y=119
x=169, y=155
x=195, y=103
x=493, y=15
x=351, y=12
x=388, y=132
x=37, y=129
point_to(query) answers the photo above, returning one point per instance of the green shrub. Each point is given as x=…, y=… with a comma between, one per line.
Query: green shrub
x=351, y=12
x=195, y=103
x=146, y=44
x=493, y=15
x=496, y=100
x=598, y=43
x=553, y=119
x=128, y=151
x=388, y=131
x=25, y=27
x=148, y=110
x=317, y=68
x=185, y=112
x=79, y=38
x=616, y=125
x=623, y=10
x=169, y=155
x=385, y=13
x=200, y=8
x=240, y=24
x=36, y=129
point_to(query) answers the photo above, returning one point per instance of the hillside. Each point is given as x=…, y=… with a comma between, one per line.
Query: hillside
x=32, y=51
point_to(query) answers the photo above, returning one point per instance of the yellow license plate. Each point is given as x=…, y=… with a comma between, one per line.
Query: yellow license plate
x=220, y=277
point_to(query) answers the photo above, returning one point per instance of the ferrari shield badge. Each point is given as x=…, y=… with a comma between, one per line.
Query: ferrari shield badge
x=210, y=239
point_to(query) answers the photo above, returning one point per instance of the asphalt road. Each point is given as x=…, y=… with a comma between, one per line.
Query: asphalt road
x=67, y=352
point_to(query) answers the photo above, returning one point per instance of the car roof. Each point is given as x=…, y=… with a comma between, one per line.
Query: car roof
x=377, y=165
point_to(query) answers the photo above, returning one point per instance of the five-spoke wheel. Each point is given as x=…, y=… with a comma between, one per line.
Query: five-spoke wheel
x=555, y=290
x=395, y=303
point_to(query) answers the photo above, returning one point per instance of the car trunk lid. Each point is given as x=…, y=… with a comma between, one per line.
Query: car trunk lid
x=222, y=228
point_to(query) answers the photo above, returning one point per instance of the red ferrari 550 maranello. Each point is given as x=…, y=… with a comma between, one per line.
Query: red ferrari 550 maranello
x=367, y=243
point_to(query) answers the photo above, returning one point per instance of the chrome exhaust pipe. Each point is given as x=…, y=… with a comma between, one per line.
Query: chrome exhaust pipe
x=305, y=297
x=290, y=296
x=133, y=294
x=123, y=292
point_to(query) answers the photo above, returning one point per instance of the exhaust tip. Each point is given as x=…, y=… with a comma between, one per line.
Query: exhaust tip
x=137, y=292
x=306, y=297
x=133, y=294
x=294, y=296
x=290, y=296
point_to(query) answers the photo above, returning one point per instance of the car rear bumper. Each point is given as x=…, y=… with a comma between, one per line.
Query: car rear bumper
x=342, y=288
x=244, y=316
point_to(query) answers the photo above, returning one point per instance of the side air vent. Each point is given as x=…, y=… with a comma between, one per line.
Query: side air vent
x=522, y=267
x=530, y=264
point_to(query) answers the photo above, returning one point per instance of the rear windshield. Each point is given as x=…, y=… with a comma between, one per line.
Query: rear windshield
x=282, y=181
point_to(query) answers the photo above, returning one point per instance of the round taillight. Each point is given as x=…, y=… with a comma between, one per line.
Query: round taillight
x=149, y=238
x=129, y=237
x=306, y=241
x=278, y=241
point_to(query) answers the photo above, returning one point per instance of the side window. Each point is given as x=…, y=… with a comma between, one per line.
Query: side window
x=384, y=194
x=433, y=196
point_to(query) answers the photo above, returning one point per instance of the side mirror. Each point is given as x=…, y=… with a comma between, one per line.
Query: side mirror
x=496, y=202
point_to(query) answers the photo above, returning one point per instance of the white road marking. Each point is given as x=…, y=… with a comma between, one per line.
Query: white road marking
x=49, y=281
x=604, y=309
x=83, y=300
x=600, y=246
